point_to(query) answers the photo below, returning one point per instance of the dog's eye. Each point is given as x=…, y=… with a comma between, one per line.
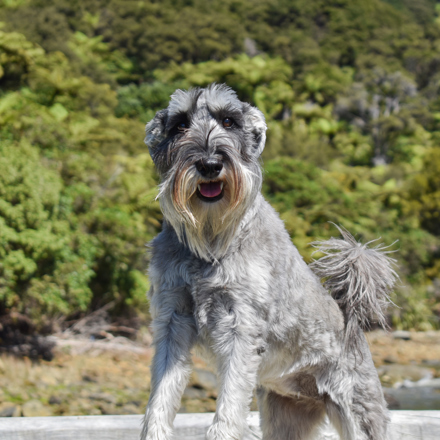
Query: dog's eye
x=228, y=122
x=179, y=127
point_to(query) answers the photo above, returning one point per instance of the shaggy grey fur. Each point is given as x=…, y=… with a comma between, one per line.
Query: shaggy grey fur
x=226, y=278
x=359, y=278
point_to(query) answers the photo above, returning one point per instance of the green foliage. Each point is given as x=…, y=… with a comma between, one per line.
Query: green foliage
x=312, y=197
x=76, y=188
x=351, y=94
x=425, y=192
x=415, y=310
x=42, y=270
x=143, y=101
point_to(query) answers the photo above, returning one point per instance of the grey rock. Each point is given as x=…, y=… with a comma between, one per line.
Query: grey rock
x=34, y=408
x=88, y=378
x=402, y=334
x=206, y=380
x=105, y=397
x=9, y=409
x=80, y=405
x=430, y=383
x=195, y=393
x=391, y=359
x=394, y=373
x=434, y=363
x=54, y=400
x=129, y=408
x=392, y=402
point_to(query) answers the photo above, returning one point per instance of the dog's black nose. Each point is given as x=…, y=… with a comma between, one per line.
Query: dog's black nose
x=209, y=168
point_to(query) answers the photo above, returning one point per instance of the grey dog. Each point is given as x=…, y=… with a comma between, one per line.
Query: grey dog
x=225, y=277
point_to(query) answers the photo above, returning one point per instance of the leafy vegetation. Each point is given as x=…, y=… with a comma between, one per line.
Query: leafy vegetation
x=350, y=90
x=76, y=188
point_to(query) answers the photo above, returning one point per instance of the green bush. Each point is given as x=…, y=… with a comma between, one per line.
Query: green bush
x=76, y=189
x=351, y=95
x=43, y=271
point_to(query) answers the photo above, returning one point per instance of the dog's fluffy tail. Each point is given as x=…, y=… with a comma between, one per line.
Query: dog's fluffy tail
x=359, y=277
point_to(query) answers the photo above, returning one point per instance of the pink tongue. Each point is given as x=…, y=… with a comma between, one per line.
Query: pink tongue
x=211, y=189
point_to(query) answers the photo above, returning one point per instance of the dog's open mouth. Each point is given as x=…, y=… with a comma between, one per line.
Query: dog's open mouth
x=210, y=191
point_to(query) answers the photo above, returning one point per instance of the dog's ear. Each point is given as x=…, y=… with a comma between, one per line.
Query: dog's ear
x=155, y=129
x=255, y=123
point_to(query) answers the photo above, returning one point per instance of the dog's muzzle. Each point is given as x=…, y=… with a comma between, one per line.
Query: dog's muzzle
x=212, y=190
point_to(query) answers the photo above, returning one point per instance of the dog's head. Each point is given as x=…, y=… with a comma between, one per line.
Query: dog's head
x=206, y=147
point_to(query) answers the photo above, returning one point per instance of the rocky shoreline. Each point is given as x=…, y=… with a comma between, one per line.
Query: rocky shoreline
x=111, y=376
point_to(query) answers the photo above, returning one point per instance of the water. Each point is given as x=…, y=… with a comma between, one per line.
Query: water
x=414, y=398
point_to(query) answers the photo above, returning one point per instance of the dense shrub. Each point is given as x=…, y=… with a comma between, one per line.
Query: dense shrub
x=350, y=90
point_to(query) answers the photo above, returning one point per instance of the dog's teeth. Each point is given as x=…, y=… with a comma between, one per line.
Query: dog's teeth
x=198, y=186
x=221, y=185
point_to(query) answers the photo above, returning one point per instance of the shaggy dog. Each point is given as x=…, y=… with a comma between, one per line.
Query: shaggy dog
x=225, y=277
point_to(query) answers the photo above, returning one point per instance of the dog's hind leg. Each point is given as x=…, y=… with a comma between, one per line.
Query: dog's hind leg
x=363, y=419
x=289, y=418
x=358, y=411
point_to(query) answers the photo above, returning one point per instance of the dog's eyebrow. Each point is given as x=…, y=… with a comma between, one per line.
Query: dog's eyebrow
x=184, y=101
x=196, y=94
x=228, y=110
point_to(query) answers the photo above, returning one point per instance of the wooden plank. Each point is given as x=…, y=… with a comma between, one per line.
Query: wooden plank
x=417, y=425
x=406, y=425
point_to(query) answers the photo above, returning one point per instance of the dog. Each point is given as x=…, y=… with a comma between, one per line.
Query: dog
x=225, y=277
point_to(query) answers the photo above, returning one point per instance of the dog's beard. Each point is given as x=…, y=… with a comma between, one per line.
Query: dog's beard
x=208, y=228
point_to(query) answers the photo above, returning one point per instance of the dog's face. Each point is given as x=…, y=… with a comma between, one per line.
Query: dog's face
x=206, y=147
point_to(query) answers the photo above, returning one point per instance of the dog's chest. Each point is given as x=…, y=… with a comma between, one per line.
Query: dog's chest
x=213, y=298
x=224, y=301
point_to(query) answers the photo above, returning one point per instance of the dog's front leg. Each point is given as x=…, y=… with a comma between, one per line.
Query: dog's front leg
x=174, y=335
x=237, y=348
